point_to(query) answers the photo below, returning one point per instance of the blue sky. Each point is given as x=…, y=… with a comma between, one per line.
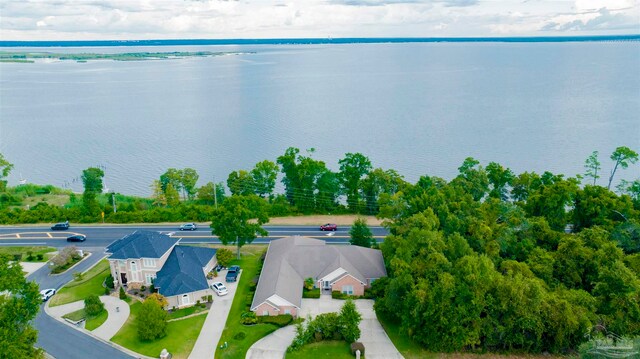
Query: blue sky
x=223, y=19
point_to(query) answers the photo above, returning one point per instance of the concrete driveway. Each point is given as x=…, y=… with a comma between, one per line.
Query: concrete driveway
x=376, y=342
x=211, y=332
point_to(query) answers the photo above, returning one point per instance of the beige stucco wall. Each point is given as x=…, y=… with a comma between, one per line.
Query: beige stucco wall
x=358, y=288
x=174, y=301
x=273, y=311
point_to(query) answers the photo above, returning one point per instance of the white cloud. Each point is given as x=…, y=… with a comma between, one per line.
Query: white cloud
x=144, y=19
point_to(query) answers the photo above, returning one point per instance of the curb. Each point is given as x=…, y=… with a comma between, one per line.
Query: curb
x=110, y=343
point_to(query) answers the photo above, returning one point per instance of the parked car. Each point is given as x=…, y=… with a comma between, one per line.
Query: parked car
x=60, y=226
x=188, y=227
x=77, y=238
x=220, y=267
x=219, y=288
x=47, y=293
x=232, y=274
x=329, y=227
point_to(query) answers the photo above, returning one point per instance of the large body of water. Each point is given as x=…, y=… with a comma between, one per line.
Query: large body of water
x=419, y=108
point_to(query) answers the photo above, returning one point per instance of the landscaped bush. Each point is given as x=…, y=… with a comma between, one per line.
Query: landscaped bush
x=65, y=259
x=17, y=257
x=107, y=291
x=122, y=294
x=338, y=295
x=40, y=256
x=224, y=256
x=240, y=336
x=93, y=306
x=279, y=320
x=210, y=298
x=108, y=282
x=248, y=318
x=30, y=256
x=313, y=293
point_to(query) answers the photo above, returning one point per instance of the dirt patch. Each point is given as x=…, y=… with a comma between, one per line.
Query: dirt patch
x=316, y=220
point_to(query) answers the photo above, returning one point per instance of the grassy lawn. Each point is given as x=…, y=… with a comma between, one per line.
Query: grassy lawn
x=179, y=313
x=237, y=348
x=407, y=347
x=79, y=290
x=180, y=338
x=91, y=323
x=326, y=349
x=94, y=322
x=11, y=251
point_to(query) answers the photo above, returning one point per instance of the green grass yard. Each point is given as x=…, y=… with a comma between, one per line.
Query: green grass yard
x=90, y=323
x=333, y=349
x=11, y=251
x=179, y=313
x=180, y=339
x=237, y=348
x=79, y=290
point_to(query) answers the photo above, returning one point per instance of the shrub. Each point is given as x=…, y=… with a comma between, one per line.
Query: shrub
x=338, y=295
x=107, y=291
x=122, y=294
x=108, y=282
x=210, y=298
x=40, y=256
x=279, y=320
x=93, y=306
x=151, y=320
x=17, y=257
x=357, y=346
x=240, y=336
x=308, y=284
x=225, y=256
x=349, y=320
x=198, y=303
x=248, y=318
x=314, y=293
x=30, y=255
x=152, y=288
x=143, y=288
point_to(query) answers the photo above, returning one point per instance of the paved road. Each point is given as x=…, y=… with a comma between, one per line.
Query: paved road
x=60, y=340
x=101, y=236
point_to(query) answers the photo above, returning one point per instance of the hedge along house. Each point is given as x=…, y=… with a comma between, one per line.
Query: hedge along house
x=178, y=272
x=289, y=261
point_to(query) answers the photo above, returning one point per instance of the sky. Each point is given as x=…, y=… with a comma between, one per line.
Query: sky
x=231, y=19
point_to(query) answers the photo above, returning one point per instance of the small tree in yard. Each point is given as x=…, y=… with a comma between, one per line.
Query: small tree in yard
x=361, y=234
x=308, y=283
x=349, y=320
x=158, y=298
x=93, y=306
x=122, y=294
x=224, y=256
x=151, y=320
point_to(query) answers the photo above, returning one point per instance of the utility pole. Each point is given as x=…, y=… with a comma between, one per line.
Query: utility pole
x=113, y=200
x=215, y=193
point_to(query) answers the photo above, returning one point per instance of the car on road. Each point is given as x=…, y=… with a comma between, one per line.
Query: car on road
x=219, y=288
x=77, y=238
x=232, y=274
x=60, y=226
x=47, y=293
x=329, y=227
x=188, y=227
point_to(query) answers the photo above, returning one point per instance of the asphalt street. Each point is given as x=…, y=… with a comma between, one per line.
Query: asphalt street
x=101, y=236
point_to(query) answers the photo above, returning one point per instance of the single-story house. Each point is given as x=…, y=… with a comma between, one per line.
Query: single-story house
x=178, y=272
x=289, y=261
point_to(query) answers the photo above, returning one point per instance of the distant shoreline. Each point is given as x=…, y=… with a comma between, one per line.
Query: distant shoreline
x=312, y=41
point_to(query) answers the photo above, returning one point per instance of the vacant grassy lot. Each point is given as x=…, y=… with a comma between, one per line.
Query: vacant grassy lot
x=334, y=349
x=79, y=290
x=180, y=339
x=237, y=347
x=11, y=251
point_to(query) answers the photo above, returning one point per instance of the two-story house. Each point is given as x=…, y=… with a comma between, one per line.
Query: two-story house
x=178, y=272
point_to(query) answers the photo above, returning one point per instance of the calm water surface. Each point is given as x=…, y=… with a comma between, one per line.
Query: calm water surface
x=417, y=108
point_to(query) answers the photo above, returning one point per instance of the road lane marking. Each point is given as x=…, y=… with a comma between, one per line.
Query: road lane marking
x=17, y=235
x=49, y=234
x=23, y=243
x=36, y=235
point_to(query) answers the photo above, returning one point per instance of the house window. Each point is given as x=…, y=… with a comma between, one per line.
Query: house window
x=185, y=299
x=347, y=289
x=134, y=266
x=149, y=262
x=149, y=278
x=265, y=312
x=287, y=311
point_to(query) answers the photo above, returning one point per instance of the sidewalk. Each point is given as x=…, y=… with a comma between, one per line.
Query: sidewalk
x=213, y=326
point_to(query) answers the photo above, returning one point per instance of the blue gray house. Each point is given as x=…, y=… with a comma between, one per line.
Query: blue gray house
x=179, y=272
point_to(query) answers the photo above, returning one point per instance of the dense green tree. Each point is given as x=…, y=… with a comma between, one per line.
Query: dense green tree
x=93, y=306
x=552, y=199
x=92, y=181
x=499, y=178
x=361, y=234
x=378, y=182
x=188, y=179
x=349, y=320
x=171, y=176
x=328, y=189
x=472, y=178
x=224, y=256
x=239, y=219
x=353, y=167
x=5, y=169
x=207, y=193
x=618, y=293
x=151, y=321
x=264, y=177
x=592, y=167
x=632, y=189
x=159, y=198
x=622, y=157
x=291, y=179
x=172, y=196
x=524, y=184
x=595, y=205
x=19, y=304
x=241, y=183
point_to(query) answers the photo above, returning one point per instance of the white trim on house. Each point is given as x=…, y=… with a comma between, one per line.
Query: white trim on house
x=344, y=275
x=149, y=262
x=275, y=302
x=333, y=275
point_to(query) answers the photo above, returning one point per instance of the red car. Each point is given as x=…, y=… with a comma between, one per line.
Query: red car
x=329, y=227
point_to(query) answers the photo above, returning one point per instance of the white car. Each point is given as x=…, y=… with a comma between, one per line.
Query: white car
x=188, y=227
x=219, y=288
x=47, y=293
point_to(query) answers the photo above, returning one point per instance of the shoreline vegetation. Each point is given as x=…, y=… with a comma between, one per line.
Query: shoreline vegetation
x=31, y=57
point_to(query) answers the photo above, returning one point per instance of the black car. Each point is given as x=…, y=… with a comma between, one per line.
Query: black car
x=77, y=238
x=232, y=274
x=60, y=226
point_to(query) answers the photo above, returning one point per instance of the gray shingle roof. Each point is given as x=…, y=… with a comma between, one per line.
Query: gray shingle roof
x=290, y=260
x=183, y=271
x=141, y=244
